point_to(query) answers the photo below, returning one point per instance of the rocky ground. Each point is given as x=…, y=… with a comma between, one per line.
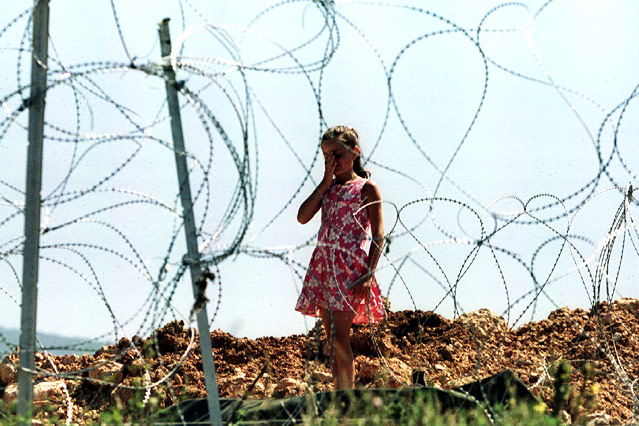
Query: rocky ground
x=450, y=352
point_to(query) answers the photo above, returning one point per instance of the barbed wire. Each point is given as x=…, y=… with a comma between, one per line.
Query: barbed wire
x=92, y=205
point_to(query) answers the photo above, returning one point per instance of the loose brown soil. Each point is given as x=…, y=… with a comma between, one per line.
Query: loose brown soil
x=450, y=352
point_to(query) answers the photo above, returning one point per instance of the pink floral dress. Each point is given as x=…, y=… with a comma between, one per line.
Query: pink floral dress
x=340, y=258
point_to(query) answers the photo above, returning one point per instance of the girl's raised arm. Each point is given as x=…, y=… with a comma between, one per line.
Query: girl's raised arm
x=312, y=204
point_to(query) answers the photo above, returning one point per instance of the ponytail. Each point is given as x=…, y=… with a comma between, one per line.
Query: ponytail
x=358, y=169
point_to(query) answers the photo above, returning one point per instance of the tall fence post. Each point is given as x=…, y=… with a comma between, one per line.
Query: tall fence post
x=31, y=250
x=193, y=254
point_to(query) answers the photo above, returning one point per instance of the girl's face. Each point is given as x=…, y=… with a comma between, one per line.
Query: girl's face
x=343, y=155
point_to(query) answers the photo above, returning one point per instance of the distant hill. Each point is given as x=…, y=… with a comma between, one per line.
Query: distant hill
x=10, y=337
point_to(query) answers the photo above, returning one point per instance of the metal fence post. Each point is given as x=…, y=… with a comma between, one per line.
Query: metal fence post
x=31, y=250
x=208, y=361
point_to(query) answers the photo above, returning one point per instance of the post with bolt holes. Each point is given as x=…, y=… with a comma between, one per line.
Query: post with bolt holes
x=31, y=250
x=193, y=254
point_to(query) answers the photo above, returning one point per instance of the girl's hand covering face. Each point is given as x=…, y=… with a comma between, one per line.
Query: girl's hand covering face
x=338, y=158
x=329, y=166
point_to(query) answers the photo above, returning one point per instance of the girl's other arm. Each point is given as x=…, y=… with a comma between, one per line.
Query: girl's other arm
x=371, y=194
x=312, y=204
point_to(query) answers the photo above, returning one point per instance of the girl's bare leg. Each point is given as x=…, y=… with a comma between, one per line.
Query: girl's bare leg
x=327, y=316
x=338, y=329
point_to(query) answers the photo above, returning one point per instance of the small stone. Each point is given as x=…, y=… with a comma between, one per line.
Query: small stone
x=286, y=387
x=446, y=353
x=137, y=340
x=484, y=323
x=69, y=359
x=258, y=388
x=440, y=367
x=239, y=374
x=377, y=402
x=321, y=376
x=361, y=343
x=564, y=417
x=10, y=392
x=385, y=345
x=136, y=367
x=177, y=379
x=562, y=312
x=630, y=305
x=120, y=396
x=105, y=350
x=597, y=419
x=615, y=421
x=124, y=343
x=42, y=392
x=368, y=371
x=128, y=356
x=109, y=371
x=8, y=372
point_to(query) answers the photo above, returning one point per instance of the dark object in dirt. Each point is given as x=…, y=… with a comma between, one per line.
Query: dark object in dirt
x=499, y=389
x=291, y=409
x=495, y=390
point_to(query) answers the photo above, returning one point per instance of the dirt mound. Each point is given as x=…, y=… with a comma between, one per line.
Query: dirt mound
x=449, y=352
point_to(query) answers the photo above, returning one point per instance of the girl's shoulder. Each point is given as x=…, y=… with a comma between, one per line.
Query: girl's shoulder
x=370, y=191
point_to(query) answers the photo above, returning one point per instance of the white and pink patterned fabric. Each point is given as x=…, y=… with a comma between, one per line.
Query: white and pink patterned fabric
x=340, y=258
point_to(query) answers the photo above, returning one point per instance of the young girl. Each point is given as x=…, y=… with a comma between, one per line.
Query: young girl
x=340, y=286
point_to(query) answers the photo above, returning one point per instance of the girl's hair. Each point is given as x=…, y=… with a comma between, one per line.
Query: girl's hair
x=348, y=137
